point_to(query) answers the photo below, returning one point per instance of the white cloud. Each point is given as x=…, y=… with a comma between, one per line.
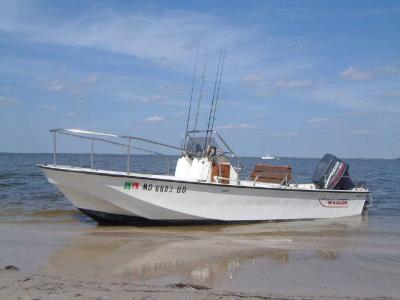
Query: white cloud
x=363, y=132
x=54, y=85
x=70, y=114
x=352, y=73
x=4, y=101
x=318, y=120
x=91, y=79
x=77, y=88
x=237, y=126
x=180, y=114
x=392, y=94
x=167, y=38
x=154, y=119
x=48, y=107
x=293, y=83
x=392, y=68
x=252, y=78
x=5, y=87
x=142, y=99
x=285, y=134
x=342, y=96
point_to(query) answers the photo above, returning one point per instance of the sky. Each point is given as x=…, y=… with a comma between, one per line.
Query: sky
x=300, y=78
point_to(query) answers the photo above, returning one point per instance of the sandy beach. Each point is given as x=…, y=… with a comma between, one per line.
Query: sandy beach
x=68, y=258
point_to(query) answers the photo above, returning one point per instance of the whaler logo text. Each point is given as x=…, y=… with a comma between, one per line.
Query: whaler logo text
x=334, y=203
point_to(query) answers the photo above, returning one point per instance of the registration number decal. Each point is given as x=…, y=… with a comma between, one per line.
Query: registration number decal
x=334, y=203
x=159, y=188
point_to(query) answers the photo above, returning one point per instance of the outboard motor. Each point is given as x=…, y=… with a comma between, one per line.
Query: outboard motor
x=332, y=173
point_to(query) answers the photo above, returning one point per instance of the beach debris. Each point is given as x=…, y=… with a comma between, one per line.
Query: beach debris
x=187, y=285
x=11, y=268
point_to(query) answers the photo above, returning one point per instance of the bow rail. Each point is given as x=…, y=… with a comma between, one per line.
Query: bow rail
x=102, y=137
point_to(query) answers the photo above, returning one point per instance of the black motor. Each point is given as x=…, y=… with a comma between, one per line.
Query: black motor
x=332, y=173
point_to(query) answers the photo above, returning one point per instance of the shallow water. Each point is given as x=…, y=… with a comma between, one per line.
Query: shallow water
x=357, y=256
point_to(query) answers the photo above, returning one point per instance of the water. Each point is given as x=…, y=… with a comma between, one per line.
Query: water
x=25, y=190
x=357, y=256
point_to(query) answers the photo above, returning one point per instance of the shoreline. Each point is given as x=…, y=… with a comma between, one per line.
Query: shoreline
x=325, y=259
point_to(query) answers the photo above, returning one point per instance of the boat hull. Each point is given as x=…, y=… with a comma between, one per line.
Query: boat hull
x=137, y=198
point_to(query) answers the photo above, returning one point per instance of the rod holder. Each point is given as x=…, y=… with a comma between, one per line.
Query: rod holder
x=54, y=148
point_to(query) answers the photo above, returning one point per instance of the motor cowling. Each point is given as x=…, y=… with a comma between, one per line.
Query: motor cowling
x=332, y=173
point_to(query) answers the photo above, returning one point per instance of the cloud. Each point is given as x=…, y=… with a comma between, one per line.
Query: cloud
x=285, y=134
x=318, y=120
x=5, y=101
x=70, y=114
x=5, y=87
x=142, y=99
x=352, y=73
x=237, y=126
x=154, y=119
x=252, y=78
x=77, y=88
x=392, y=94
x=149, y=99
x=180, y=114
x=167, y=39
x=292, y=83
x=54, y=85
x=91, y=79
x=363, y=132
x=48, y=107
x=392, y=68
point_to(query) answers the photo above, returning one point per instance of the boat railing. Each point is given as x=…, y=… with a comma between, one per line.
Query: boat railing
x=103, y=137
x=285, y=181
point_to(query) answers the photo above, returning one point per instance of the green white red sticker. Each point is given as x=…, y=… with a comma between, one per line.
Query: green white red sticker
x=161, y=188
x=131, y=185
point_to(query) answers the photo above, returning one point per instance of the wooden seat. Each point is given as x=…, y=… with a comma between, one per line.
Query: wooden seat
x=271, y=174
x=221, y=170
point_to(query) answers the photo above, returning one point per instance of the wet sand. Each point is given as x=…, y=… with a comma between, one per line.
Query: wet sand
x=326, y=259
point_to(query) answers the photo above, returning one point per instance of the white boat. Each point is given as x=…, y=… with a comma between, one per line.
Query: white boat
x=269, y=157
x=206, y=187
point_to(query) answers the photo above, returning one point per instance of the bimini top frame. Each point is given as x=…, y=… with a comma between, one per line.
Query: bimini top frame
x=211, y=138
x=204, y=138
x=102, y=137
x=198, y=143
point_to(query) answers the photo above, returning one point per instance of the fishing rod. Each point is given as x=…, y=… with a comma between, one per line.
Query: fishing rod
x=201, y=90
x=213, y=100
x=219, y=86
x=191, y=97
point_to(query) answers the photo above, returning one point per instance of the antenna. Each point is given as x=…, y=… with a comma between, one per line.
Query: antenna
x=201, y=90
x=219, y=85
x=213, y=99
x=191, y=96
